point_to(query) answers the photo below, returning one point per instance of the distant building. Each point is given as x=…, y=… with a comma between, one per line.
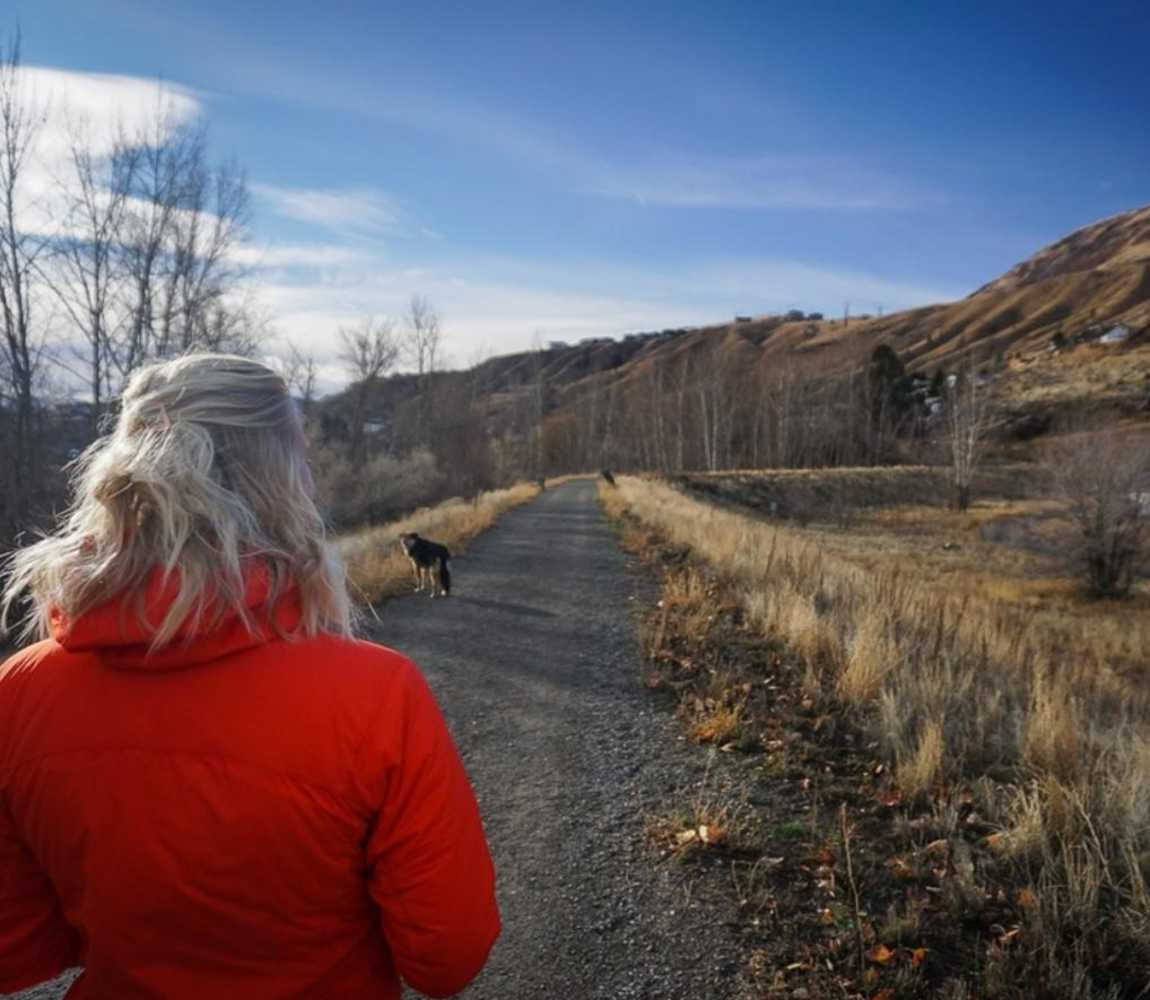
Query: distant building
x=1116, y=334
x=742, y=319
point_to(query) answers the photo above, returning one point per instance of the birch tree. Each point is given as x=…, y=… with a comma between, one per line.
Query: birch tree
x=966, y=427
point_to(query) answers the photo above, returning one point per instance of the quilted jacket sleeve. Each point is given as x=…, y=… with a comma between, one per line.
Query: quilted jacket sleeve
x=431, y=873
x=35, y=942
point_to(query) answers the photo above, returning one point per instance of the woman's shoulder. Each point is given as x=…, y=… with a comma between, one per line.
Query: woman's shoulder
x=359, y=660
x=19, y=664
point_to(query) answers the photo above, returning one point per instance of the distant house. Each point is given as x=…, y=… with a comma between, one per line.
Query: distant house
x=1142, y=502
x=1116, y=334
x=742, y=319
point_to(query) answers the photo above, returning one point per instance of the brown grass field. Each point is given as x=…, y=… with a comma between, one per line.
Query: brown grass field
x=1008, y=716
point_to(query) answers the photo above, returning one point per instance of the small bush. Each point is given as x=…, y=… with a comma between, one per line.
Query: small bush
x=1103, y=481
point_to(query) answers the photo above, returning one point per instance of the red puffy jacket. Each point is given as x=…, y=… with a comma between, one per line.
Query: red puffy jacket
x=234, y=816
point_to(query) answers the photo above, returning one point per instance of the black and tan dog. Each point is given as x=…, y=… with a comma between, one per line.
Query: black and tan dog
x=425, y=556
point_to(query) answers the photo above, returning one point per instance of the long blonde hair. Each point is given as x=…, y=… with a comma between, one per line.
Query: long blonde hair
x=205, y=474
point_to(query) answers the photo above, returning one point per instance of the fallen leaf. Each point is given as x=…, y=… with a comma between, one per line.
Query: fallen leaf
x=1027, y=899
x=917, y=957
x=887, y=994
x=900, y=867
x=880, y=954
x=995, y=841
x=826, y=917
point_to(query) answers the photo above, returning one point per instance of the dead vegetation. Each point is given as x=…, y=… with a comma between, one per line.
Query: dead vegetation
x=993, y=759
x=378, y=569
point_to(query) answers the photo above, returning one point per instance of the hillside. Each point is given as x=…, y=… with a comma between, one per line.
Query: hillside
x=1038, y=325
x=1037, y=328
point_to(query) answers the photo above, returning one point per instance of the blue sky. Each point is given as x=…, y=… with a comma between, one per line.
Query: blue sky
x=587, y=169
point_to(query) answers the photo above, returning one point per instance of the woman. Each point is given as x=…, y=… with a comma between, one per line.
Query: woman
x=208, y=788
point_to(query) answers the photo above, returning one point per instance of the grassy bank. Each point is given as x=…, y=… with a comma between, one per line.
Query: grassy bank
x=377, y=568
x=1004, y=741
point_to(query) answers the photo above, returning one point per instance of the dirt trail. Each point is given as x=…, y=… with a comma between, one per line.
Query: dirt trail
x=535, y=664
x=534, y=661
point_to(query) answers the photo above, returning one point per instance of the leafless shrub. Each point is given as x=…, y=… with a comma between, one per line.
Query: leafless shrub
x=968, y=414
x=1103, y=481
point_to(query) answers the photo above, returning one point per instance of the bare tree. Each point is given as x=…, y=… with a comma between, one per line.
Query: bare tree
x=89, y=278
x=1104, y=482
x=301, y=373
x=163, y=150
x=420, y=342
x=183, y=220
x=968, y=414
x=369, y=351
x=211, y=222
x=422, y=337
x=21, y=250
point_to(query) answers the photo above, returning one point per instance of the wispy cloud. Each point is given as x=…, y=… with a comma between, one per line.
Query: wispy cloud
x=771, y=284
x=674, y=176
x=275, y=256
x=764, y=181
x=366, y=211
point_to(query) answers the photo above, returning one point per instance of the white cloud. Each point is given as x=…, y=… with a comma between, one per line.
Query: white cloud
x=296, y=255
x=93, y=109
x=766, y=181
x=349, y=210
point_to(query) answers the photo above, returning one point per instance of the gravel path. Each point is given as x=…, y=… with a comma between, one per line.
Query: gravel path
x=534, y=661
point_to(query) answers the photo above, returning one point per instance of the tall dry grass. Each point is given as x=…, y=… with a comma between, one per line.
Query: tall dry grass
x=376, y=566
x=966, y=697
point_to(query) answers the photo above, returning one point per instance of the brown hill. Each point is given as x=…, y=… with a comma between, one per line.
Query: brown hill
x=1037, y=327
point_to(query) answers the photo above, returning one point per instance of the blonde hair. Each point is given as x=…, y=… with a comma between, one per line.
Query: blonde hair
x=204, y=475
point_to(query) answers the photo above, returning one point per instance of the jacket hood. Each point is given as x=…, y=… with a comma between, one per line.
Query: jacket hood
x=115, y=631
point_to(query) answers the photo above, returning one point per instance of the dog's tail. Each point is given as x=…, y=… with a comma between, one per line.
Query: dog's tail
x=444, y=576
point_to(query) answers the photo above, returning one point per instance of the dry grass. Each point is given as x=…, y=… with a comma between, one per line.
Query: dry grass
x=377, y=569
x=711, y=820
x=1020, y=711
